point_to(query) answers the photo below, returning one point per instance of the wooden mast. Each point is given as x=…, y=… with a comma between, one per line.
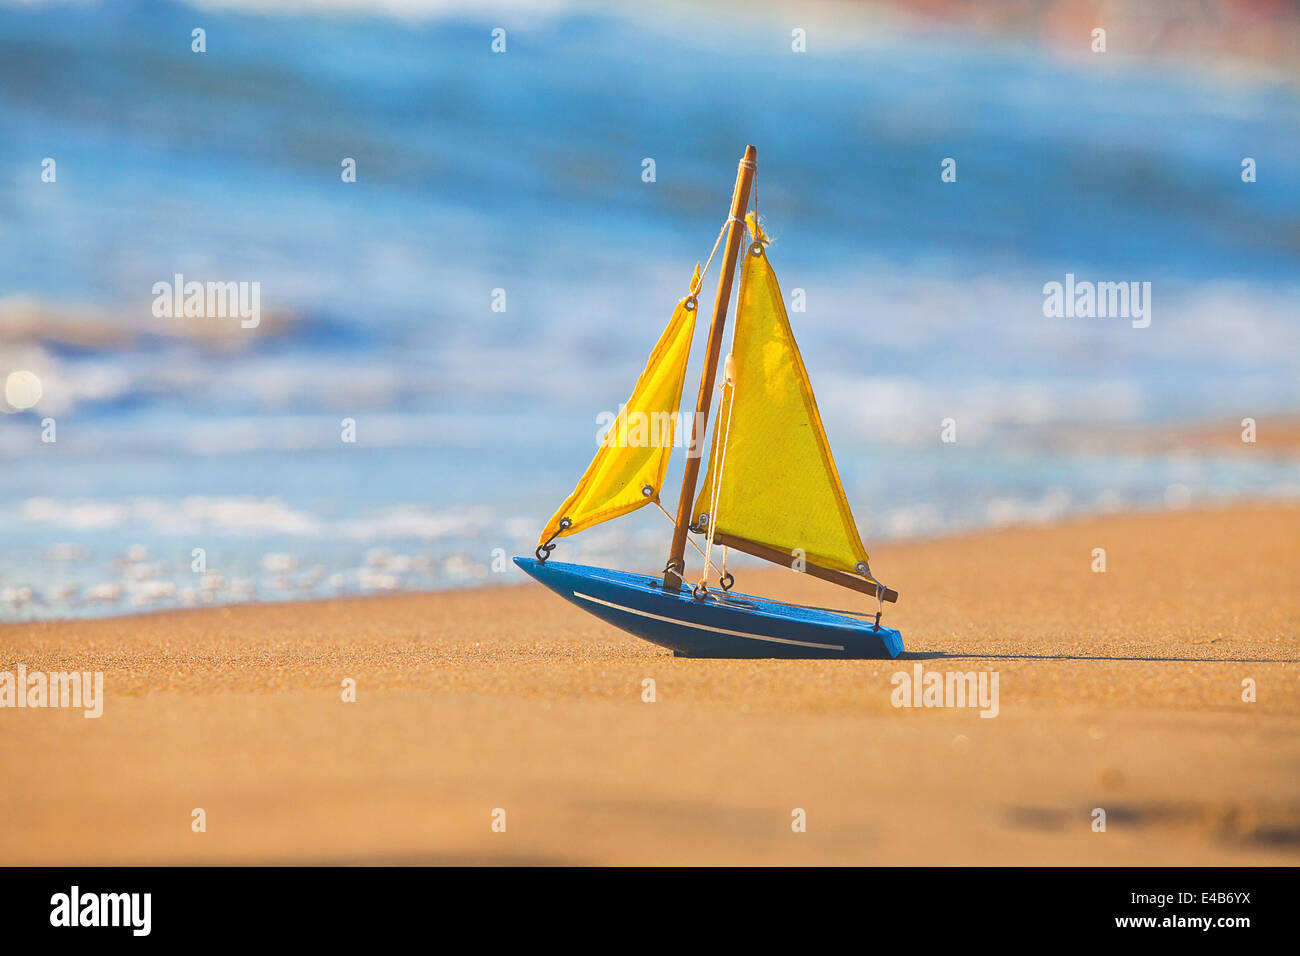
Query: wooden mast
x=735, y=230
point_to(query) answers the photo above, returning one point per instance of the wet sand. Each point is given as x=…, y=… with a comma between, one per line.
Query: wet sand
x=1120, y=691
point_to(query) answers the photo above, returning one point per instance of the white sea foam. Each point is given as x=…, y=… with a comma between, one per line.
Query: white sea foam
x=249, y=516
x=243, y=515
x=416, y=521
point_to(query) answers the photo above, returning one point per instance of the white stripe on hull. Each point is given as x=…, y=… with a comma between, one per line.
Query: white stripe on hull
x=706, y=627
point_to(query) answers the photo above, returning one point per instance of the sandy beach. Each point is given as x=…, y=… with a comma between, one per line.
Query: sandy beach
x=1119, y=690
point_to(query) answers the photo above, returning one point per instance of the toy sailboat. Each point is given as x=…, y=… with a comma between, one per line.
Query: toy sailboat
x=770, y=490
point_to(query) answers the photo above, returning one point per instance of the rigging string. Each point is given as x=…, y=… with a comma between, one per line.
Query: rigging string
x=716, y=242
x=716, y=478
x=693, y=544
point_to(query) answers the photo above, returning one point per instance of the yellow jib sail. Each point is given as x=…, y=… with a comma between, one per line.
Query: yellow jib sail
x=778, y=485
x=634, y=452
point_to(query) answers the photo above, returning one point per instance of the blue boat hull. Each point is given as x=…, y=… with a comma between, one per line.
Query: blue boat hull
x=730, y=625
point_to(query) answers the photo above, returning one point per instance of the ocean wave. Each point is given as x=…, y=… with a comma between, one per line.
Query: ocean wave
x=192, y=515
x=931, y=345
x=248, y=516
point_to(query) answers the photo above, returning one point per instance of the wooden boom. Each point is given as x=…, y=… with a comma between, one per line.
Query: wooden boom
x=776, y=556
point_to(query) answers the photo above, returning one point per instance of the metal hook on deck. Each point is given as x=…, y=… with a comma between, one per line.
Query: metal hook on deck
x=864, y=570
x=544, y=550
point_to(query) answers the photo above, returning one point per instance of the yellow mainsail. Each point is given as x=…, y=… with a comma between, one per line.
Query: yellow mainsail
x=634, y=452
x=770, y=465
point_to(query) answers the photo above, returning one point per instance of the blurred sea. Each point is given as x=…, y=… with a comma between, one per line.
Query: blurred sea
x=522, y=171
